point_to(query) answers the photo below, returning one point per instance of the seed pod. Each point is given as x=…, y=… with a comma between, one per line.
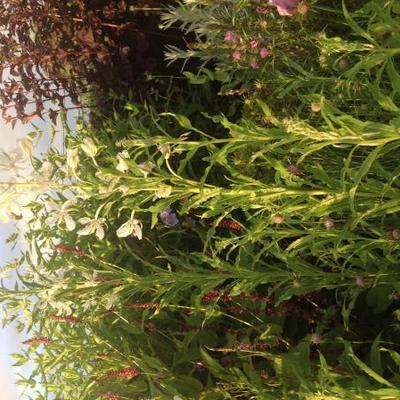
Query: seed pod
x=278, y=219
x=315, y=107
x=303, y=8
x=395, y=234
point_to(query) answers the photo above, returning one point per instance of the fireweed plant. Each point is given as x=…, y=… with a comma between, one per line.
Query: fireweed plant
x=295, y=51
x=254, y=259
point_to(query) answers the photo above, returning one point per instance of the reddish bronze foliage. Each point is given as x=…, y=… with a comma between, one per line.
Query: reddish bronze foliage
x=54, y=51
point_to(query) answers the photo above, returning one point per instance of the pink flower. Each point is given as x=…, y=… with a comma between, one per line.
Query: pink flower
x=264, y=52
x=254, y=64
x=284, y=7
x=253, y=44
x=261, y=10
x=236, y=55
x=360, y=281
x=230, y=37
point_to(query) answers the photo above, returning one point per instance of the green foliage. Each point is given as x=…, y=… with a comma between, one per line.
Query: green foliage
x=181, y=250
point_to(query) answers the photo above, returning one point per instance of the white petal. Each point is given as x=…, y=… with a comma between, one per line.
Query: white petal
x=138, y=232
x=68, y=203
x=69, y=222
x=125, y=229
x=89, y=147
x=86, y=230
x=26, y=146
x=84, y=220
x=72, y=158
x=100, y=232
x=52, y=219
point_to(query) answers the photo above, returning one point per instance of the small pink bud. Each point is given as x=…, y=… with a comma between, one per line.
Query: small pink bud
x=261, y=10
x=236, y=55
x=316, y=338
x=329, y=223
x=230, y=37
x=264, y=52
x=278, y=219
x=360, y=281
x=253, y=44
x=254, y=64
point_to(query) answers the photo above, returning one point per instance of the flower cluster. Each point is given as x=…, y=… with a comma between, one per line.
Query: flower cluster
x=67, y=318
x=62, y=248
x=229, y=224
x=240, y=48
x=125, y=373
x=37, y=340
x=142, y=306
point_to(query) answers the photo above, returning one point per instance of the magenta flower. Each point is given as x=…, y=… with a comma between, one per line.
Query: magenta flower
x=264, y=52
x=254, y=64
x=261, y=10
x=253, y=44
x=284, y=7
x=230, y=37
x=236, y=55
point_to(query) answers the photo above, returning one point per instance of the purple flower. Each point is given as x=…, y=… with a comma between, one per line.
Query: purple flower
x=284, y=7
x=168, y=217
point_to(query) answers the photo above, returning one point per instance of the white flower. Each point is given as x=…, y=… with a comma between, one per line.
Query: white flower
x=61, y=214
x=112, y=301
x=93, y=226
x=46, y=170
x=89, y=147
x=123, y=154
x=165, y=150
x=131, y=227
x=123, y=189
x=122, y=165
x=72, y=158
x=90, y=303
x=163, y=191
x=146, y=168
x=26, y=146
x=13, y=162
x=9, y=204
x=91, y=280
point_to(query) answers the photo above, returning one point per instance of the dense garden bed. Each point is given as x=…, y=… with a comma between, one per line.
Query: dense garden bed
x=235, y=233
